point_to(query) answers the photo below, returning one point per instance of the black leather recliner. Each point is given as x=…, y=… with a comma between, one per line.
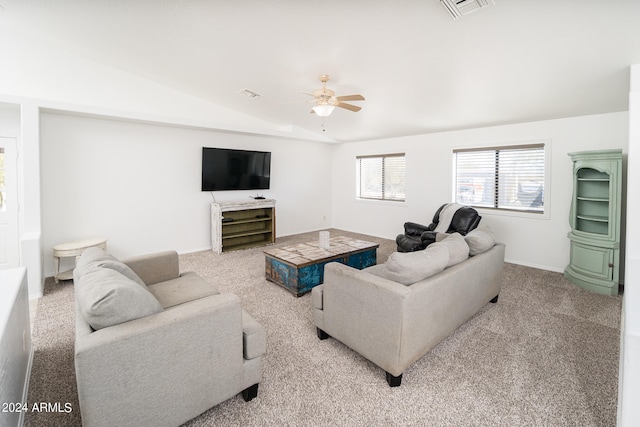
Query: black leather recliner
x=417, y=237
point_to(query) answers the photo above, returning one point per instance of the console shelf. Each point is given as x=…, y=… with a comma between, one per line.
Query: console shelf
x=242, y=224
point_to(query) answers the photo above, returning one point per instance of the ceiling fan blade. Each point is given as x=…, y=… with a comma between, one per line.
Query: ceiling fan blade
x=357, y=97
x=350, y=107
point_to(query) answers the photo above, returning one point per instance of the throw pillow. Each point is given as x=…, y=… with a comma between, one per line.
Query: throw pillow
x=457, y=247
x=480, y=240
x=106, y=298
x=411, y=267
x=88, y=257
x=96, y=257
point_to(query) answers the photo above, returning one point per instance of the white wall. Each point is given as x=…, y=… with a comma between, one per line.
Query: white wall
x=629, y=386
x=138, y=185
x=22, y=122
x=9, y=120
x=533, y=241
x=30, y=205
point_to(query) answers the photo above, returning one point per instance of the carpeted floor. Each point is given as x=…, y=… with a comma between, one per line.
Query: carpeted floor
x=546, y=354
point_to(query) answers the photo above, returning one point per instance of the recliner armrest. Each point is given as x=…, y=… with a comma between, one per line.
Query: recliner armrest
x=428, y=237
x=414, y=229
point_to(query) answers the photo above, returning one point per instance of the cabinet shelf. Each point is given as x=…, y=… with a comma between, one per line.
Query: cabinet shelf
x=227, y=236
x=593, y=218
x=594, y=199
x=238, y=246
x=245, y=221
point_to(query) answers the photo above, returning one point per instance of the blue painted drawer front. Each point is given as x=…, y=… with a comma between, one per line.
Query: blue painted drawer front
x=302, y=280
x=362, y=260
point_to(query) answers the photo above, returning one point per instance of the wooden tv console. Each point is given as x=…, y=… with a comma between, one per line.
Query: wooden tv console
x=242, y=224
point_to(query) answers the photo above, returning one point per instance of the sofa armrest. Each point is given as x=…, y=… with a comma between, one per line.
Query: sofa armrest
x=191, y=352
x=375, y=328
x=155, y=268
x=254, y=337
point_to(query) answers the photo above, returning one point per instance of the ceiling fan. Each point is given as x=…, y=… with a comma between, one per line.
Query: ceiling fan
x=326, y=100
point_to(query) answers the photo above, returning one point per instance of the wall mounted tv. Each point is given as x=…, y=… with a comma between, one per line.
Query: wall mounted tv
x=225, y=169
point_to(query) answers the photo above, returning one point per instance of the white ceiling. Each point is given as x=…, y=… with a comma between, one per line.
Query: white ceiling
x=419, y=70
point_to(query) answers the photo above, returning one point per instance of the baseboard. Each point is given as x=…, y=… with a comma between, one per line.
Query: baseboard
x=192, y=251
x=538, y=266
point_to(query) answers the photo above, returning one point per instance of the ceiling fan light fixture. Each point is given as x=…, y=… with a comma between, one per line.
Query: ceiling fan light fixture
x=323, y=110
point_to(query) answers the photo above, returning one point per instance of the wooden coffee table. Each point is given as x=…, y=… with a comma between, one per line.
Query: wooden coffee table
x=298, y=268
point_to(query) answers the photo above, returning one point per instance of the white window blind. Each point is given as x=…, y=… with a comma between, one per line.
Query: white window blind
x=381, y=177
x=510, y=178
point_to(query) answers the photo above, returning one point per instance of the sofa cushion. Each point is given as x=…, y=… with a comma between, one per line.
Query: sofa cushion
x=457, y=247
x=96, y=257
x=411, y=267
x=480, y=240
x=188, y=287
x=106, y=297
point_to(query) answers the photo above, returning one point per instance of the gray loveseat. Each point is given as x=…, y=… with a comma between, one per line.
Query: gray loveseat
x=155, y=347
x=394, y=324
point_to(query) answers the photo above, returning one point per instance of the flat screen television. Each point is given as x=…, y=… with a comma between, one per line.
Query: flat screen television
x=225, y=169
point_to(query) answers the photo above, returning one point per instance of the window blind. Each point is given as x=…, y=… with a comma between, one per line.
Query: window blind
x=381, y=177
x=509, y=177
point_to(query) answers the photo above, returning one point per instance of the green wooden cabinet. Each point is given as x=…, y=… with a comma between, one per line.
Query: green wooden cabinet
x=594, y=262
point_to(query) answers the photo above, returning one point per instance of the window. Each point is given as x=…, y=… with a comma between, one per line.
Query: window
x=381, y=177
x=510, y=178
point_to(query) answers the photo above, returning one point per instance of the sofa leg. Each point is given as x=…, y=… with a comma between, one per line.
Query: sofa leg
x=250, y=392
x=495, y=299
x=394, y=381
x=322, y=334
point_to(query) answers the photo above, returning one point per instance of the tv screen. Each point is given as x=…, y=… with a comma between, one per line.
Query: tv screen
x=224, y=169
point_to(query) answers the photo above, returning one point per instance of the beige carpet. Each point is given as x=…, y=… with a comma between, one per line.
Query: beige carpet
x=546, y=354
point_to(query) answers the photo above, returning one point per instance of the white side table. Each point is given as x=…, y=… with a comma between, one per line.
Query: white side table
x=73, y=249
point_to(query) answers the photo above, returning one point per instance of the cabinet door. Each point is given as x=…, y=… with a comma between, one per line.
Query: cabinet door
x=592, y=260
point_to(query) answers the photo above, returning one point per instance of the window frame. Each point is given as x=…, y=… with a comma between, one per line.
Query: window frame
x=545, y=144
x=383, y=197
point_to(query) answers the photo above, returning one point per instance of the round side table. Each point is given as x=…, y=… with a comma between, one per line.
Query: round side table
x=73, y=249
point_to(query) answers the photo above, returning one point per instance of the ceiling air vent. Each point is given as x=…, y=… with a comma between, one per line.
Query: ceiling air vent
x=457, y=8
x=249, y=93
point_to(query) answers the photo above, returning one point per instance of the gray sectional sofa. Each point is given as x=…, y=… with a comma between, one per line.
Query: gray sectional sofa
x=155, y=347
x=394, y=324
